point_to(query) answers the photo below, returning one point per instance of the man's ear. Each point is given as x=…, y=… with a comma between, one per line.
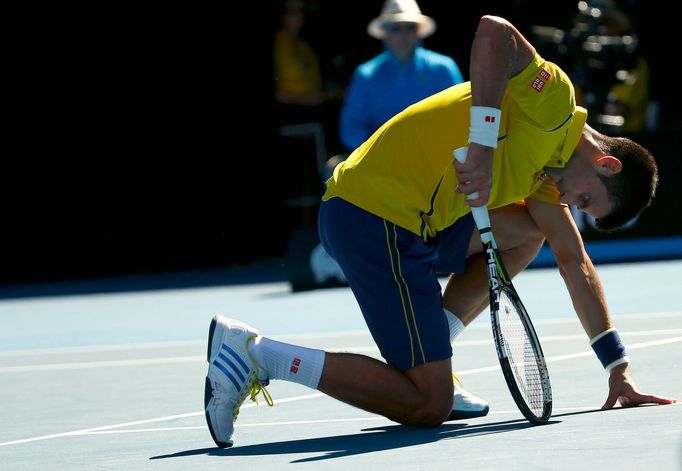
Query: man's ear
x=609, y=165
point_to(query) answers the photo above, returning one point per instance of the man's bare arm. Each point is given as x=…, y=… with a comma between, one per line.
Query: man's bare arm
x=587, y=294
x=575, y=266
x=499, y=52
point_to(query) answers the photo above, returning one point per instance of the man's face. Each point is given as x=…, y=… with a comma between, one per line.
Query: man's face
x=580, y=185
x=401, y=39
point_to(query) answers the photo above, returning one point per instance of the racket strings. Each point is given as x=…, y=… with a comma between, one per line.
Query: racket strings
x=521, y=355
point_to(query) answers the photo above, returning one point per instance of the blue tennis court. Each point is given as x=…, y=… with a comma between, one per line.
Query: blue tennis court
x=115, y=380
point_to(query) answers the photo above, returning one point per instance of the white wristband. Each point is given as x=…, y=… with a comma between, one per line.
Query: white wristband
x=620, y=361
x=609, y=349
x=484, y=125
x=597, y=337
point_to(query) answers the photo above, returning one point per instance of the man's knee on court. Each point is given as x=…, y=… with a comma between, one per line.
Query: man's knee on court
x=431, y=403
x=431, y=410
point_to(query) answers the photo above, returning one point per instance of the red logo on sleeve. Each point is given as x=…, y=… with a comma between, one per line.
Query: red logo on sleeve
x=294, y=365
x=537, y=84
x=545, y=74
x=489, y=119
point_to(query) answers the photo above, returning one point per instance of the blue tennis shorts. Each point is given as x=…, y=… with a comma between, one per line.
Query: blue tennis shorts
x=394, y=276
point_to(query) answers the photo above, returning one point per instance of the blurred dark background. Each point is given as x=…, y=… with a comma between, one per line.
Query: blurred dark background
x=141, y=136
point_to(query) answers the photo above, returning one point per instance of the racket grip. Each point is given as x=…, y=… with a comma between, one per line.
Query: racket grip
x=480, y=213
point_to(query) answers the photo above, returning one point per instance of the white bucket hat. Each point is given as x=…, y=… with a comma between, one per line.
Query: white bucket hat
x=401, y=11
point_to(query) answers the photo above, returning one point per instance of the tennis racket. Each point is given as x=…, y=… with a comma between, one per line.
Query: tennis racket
x=518, y=349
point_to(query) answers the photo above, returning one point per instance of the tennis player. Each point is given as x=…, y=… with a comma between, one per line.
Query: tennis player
x=399, y=199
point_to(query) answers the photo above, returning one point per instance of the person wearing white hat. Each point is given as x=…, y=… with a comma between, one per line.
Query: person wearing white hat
x=401, y=11
x=404, y=73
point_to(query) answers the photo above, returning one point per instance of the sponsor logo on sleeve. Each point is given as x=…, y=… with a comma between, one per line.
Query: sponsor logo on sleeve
x=539, y=83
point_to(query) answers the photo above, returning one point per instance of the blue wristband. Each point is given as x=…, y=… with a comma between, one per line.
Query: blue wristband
x=609, y=349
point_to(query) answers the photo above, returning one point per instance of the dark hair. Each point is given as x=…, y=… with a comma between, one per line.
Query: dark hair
x=634, y=187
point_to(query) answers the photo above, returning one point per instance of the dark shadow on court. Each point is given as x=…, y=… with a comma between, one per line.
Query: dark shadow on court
x=591, y=411
x=370, y=441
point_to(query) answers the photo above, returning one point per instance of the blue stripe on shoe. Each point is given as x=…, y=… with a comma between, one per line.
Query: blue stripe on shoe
x=232, y=365
x=238, y=358
x=227, y=373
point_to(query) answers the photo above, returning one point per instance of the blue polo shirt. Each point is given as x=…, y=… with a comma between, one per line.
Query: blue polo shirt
x=383, y=86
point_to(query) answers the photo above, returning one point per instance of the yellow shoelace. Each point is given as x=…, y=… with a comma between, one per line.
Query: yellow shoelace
x=456, y=380
x=259, y=388
x=256, y=388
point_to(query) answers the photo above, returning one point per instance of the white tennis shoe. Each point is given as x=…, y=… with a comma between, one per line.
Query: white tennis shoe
x=465, y=405
x=232, y=375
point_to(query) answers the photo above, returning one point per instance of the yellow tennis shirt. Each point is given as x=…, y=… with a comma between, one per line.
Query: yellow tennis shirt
x=404, y=174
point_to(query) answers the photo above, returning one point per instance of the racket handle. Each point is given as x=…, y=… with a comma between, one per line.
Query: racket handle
x=480, y=213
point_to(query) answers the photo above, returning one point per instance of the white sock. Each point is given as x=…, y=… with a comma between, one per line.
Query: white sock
x=288, y=362
x=454, y=324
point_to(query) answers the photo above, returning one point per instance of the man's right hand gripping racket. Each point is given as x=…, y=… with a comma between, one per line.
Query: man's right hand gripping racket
x=516, y=342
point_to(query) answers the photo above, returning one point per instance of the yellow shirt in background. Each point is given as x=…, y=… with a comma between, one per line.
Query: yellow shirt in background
x=297, y=70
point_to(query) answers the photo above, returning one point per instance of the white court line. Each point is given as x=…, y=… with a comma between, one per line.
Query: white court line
x=293, y=337
x=546, y=338
x=571, y=356
x=310, y=422
x=107, y=430
x=328, y=421
x=308, y=396
x=101, y=364
x=147, y=421
x=104, y=348
x=201, y=358
x=79, y=432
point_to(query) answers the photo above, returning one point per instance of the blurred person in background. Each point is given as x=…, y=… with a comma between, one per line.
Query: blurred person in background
x=403, y=74
x=306, y=115
x=629, y=96
x=602, y=56
x=299, y=88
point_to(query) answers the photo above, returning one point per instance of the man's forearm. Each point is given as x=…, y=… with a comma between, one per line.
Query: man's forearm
x=587, y=294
